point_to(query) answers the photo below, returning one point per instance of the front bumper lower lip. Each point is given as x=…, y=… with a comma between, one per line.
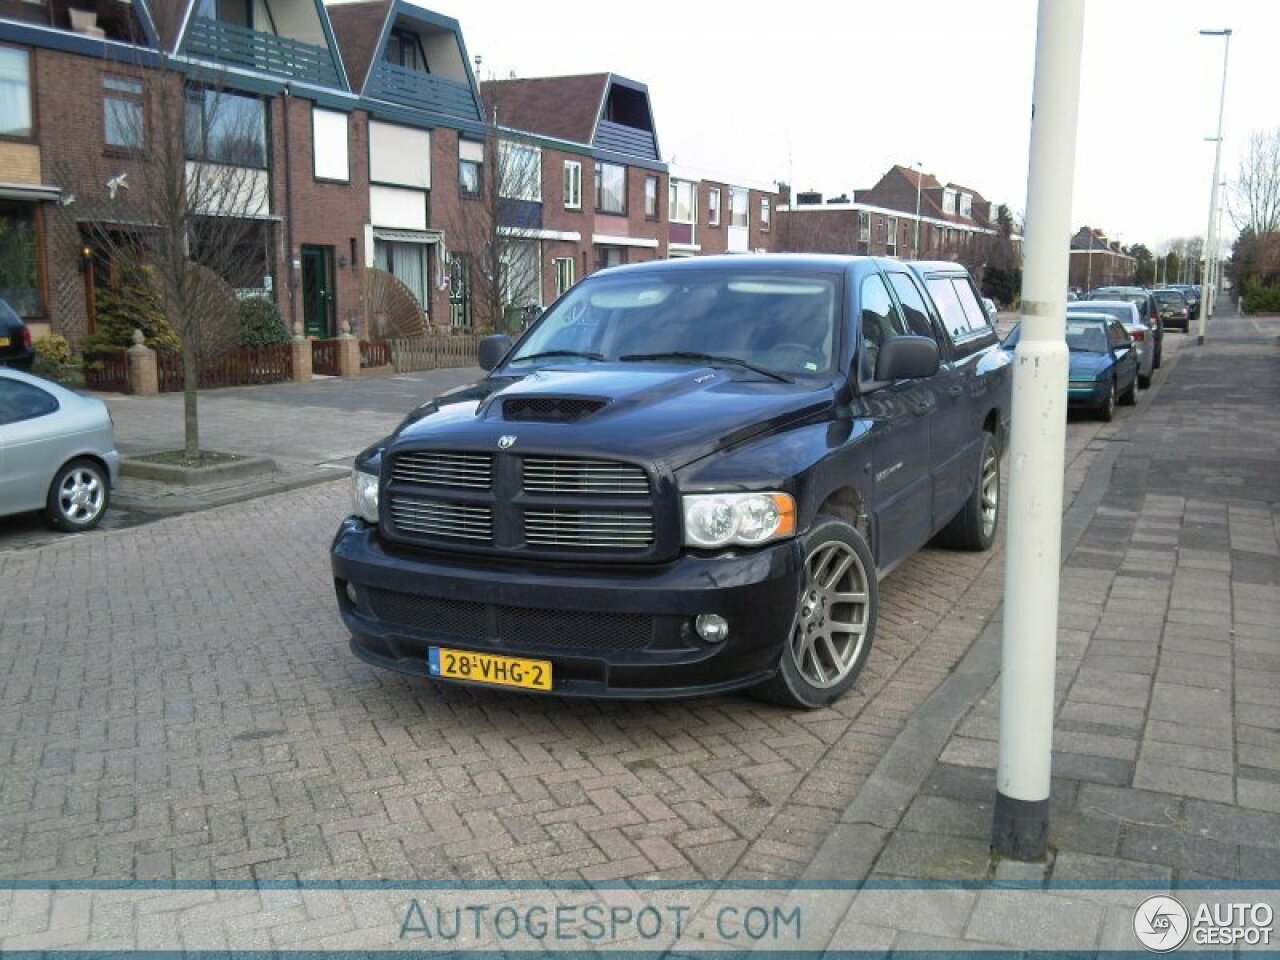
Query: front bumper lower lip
x=754, y=590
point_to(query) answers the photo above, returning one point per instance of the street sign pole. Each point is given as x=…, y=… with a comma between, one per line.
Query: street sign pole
x=1020, y=827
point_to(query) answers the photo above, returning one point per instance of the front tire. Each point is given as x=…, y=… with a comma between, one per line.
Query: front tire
x=974, y=527
x=78, y=496
x=834, y=622
x=1107, y=412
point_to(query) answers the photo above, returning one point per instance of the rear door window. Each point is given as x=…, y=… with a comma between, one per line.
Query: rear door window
x=913, y=306
x=974, y=314
x=953, y=316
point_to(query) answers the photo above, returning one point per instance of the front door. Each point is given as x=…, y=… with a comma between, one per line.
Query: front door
x=459, y=290
x=317, y=292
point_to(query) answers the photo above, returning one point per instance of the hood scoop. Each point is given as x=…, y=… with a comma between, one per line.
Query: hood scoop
x=544, y=409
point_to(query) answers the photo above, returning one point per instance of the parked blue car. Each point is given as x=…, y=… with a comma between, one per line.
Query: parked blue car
x=1104, y=362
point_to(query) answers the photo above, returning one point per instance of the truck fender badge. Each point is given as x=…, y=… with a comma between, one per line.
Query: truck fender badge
x=506, y=443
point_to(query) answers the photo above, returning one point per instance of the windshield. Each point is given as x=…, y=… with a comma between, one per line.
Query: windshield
x=1087, y=338
x=780, y=323
x=1170, y=298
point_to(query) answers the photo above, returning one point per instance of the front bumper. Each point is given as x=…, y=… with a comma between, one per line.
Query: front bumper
x=608, y=631
x=1087, y=394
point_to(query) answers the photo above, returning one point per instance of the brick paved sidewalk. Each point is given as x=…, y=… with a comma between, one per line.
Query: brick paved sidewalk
x=1166, y=750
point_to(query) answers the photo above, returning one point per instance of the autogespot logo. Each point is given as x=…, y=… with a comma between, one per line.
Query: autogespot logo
x=1161, y=924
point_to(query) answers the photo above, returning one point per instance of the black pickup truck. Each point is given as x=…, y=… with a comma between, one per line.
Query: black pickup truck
x=686, y=477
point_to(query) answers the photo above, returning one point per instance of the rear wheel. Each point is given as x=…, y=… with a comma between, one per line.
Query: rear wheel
x=974, y=527
x=78, y=496
x=834, y=621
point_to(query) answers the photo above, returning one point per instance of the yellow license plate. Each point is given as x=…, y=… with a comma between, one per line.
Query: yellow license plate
x=4, y=341
x=487, y=668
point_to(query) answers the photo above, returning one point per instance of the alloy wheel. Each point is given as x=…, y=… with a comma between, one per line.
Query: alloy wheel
x=81, y=496
x=990, y=491
x=831, y=614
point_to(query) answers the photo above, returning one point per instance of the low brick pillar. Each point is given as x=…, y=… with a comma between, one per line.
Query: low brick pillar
x=144, y=372
x=348, y=354
x=300, y=347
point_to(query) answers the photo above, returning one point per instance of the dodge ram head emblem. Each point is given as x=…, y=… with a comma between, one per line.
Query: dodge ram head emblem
x=506, y=443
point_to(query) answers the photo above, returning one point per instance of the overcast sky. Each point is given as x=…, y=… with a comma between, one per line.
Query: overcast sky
x=827, y=96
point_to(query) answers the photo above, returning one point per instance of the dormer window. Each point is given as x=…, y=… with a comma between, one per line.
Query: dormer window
x=404, y=49
x=966, y=205
x=949, y=201
x=238, y=13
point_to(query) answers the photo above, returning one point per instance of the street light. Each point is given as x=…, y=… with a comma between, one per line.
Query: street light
x=919, y=177
x=1210, y=239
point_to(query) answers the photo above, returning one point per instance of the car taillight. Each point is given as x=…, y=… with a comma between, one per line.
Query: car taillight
x=1139, y=335
x=26, y=336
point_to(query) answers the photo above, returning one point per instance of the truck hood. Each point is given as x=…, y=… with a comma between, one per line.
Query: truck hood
x=671, y=414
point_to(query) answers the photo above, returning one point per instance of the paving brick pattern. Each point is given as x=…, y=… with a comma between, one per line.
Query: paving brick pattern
x=177, y=700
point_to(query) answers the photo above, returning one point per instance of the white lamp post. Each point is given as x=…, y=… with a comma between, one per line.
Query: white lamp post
x=1210, y=238
x=919, y=177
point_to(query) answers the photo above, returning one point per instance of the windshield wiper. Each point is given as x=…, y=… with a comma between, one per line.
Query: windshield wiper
x=546, y=354
x=708, y=358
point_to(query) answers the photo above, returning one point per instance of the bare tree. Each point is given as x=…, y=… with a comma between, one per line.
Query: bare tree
x=187, y=209
x=493, y=231
x=1253, y=198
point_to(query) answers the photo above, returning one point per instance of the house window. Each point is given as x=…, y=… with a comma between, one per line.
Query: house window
x=520, y=167
x=123, y=120
x=404, y=49
x=683, y=202
x=225, y=127
x=891, y=238
x=19, y=259
x=520, y=279
x=15, y=93
x=966, y=205
x=407, y=262
x=470, y=168
x=713, y=206
x=572, y=185
x=765, y=213
x=739, y=214
x=238, y=13
x=948, y=201
x=864, y=225
x=610, y=257
x=564, y=274
x=611, y=188
x=651, y=198
x=329, y=138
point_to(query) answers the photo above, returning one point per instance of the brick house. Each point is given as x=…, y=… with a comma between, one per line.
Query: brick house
x=89, y=83
x=952, y=223
x=604, y=193
x=710, y=214
x=1097, y=261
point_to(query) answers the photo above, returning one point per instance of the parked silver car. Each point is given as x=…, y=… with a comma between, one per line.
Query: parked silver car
x=1128, y=314
x=57, y=452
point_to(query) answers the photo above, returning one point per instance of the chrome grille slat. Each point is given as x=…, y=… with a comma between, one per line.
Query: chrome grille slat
x=574, y=528
x=569, y=476
x=439, y=519
x=472, y=471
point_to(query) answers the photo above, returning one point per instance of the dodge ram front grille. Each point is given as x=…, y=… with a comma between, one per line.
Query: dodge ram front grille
x=580, y=528
x=564, y=475
x=439, y=519
x=472, y=471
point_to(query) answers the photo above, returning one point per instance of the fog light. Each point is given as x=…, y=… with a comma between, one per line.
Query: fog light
x=351, y=595
x=711, y=627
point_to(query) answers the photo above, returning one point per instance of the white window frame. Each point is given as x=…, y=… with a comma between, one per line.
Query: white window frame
x=949, y=201
x=713, y=206
x=966, y=205
x=573, y=185
x=675, y=206
x=331, y=153
x=601, y=168
x=864, y=226
x=566, y=273
x=656, y=196
x=891, y=237
x=22, y=59
x=766, y=213
x=739, y=207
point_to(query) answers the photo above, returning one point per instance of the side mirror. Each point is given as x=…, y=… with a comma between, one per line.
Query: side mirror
x=907, y=358
x=492, y=350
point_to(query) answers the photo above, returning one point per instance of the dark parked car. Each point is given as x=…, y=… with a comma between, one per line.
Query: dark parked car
x=15, y=339
x=1148, y=310
x=1104, y=363
x=1126, y=313
x=1174, y=308
x=686, y=477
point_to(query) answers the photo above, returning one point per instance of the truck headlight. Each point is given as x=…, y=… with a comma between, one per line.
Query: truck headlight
x=747, y=519
x=364, y=494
